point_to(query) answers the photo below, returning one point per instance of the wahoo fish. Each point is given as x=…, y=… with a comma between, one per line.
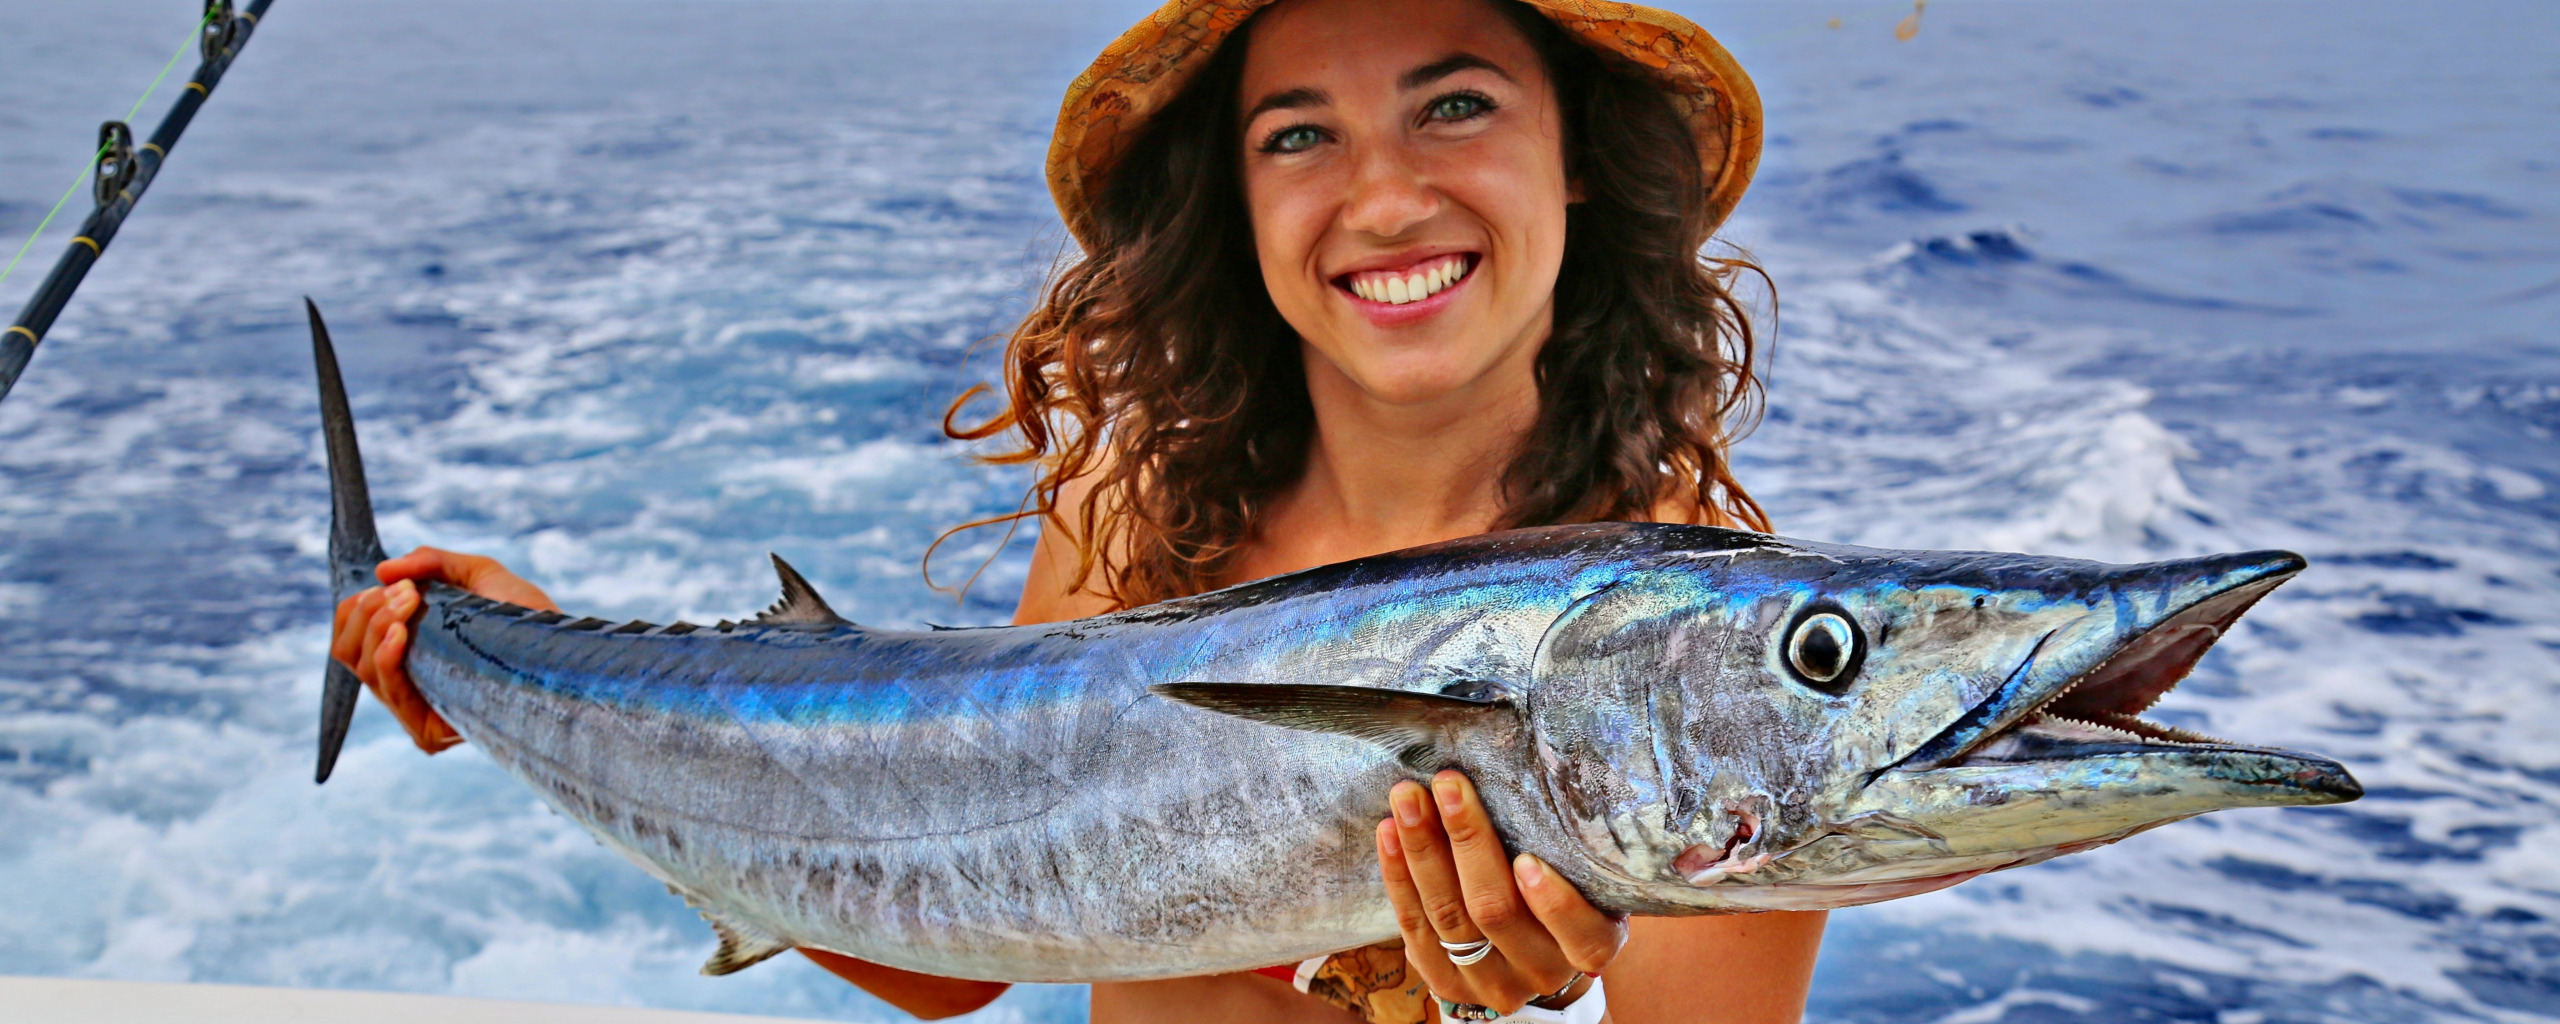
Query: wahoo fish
x=1678, y=719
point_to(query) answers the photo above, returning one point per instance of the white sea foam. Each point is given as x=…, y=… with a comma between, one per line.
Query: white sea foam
x=1967, y=435
x=629, y=333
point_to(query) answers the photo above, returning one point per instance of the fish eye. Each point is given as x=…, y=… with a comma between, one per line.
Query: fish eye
x=1823, y=649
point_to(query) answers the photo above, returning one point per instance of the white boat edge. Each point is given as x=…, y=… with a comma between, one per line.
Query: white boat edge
x=96, y=1001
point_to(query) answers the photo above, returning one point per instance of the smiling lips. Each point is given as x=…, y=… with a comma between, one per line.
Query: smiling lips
x=1409, y=284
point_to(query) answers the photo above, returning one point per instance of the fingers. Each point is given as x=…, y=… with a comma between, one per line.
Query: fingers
x=374, y=608
x=478, y=574
x=371, y=632
x=1422, y=947
x=346, y=630
x=390, y=682
x=1400, y=892
x=426, y=728
x=1485, y=881
x=1427, y=858
x=372, y=638
x=1587, y=937
x=1448, y=878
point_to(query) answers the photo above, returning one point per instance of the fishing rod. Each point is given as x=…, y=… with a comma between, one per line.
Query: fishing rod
x=123, y=171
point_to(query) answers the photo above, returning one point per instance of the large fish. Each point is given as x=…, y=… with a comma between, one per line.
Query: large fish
x=1681, y=720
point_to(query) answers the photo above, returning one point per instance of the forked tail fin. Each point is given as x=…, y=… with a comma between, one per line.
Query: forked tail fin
x=353, y=548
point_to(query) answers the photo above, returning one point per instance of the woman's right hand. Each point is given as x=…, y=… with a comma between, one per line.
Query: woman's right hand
x=371, y=634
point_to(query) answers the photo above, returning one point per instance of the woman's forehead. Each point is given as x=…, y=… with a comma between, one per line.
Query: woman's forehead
x=1324, y=45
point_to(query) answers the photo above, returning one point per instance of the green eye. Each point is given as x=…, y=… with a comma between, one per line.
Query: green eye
x=1296, y=139
x=1458, y=107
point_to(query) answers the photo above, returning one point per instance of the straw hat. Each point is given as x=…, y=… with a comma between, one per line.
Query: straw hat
x=1144, y=69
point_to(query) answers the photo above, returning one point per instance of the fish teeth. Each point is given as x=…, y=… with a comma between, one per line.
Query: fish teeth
x=2038, y=710
x=2102, y=730
x=2148, y=729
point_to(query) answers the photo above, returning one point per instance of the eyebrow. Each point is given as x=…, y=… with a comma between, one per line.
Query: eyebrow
x=1449, y=65
x=1288, y=99
x=1303, y=96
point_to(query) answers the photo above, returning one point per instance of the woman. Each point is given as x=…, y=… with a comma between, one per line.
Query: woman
x=1359, y=276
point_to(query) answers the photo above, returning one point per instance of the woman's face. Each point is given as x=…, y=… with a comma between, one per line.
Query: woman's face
x=1404, y=167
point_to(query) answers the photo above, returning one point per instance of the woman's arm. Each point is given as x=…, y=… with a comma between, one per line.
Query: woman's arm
x=1045, y=594
x=924, y=995
x=1738, y=969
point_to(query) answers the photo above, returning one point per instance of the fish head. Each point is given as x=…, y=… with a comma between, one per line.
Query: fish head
x=1803, y=726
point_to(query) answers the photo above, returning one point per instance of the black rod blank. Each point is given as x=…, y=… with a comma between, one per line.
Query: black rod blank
x=225, y=32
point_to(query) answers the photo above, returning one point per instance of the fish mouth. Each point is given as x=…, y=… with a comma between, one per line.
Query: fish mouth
x=2097, y=712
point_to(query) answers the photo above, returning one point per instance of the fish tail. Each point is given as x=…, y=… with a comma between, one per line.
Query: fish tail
x=354, y=550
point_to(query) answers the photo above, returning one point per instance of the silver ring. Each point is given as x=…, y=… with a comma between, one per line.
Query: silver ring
x=1569, y=983
x=1466, y=953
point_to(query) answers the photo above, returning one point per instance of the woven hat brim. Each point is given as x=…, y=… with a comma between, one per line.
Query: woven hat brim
x=1143, y=70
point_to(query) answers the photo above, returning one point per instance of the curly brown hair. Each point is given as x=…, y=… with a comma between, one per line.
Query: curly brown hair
x=1158, y=366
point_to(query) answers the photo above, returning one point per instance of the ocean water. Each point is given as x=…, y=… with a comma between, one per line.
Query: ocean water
x=633, y=292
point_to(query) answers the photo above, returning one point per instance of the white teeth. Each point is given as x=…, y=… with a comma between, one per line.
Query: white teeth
x=1412, y=287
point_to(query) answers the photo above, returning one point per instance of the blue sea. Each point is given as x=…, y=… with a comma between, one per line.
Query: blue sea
x=633, y=292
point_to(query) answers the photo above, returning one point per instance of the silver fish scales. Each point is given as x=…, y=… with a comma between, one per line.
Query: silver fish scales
x=1681, y=720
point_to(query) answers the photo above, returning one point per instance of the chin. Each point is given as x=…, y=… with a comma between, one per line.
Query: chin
x=1400, y=383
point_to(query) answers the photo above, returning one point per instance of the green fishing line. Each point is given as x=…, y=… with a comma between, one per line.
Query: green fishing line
x=58, y=204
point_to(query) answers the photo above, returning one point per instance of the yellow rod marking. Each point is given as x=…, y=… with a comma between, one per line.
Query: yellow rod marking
x=155, y=147
x=199, y=87
x=31, y=335
x=251, y=18
x=91, y=243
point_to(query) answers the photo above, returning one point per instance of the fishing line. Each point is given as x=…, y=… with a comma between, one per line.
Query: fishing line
x=58, y=204
x=101, y=154
x=119, y=172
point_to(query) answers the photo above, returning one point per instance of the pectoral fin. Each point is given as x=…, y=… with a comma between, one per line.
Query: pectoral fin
x=1422, y=728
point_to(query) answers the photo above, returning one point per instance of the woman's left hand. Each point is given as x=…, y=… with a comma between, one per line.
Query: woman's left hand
x=1451, y=881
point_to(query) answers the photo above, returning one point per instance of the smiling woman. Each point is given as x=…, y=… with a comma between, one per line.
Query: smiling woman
x=1539, y=197
x=1362, y=276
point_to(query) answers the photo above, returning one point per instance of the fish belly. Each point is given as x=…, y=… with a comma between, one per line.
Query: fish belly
x=1106, y=839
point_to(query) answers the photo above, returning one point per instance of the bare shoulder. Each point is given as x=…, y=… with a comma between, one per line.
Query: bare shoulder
x=1046, y=594
x=1684, y=509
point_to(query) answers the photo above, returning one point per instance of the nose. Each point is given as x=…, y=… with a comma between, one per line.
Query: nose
x=1389, y=196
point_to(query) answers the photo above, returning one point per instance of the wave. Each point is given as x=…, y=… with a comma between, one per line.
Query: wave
x=629, y=335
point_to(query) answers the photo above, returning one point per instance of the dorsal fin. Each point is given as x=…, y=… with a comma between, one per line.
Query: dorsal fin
x=800, y=604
